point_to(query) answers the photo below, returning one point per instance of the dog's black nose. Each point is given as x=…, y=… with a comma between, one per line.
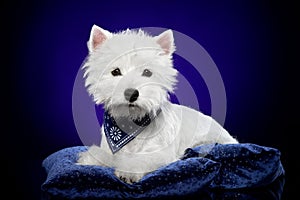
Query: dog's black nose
x=131, y=94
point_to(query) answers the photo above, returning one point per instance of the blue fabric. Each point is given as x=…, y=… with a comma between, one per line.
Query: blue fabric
x=243, y=165
x=215, y=166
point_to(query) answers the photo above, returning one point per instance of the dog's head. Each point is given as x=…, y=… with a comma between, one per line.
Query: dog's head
x=130, y=72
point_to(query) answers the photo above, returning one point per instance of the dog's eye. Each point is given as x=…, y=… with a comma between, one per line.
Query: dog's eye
x=116, y=72
x=147, y=73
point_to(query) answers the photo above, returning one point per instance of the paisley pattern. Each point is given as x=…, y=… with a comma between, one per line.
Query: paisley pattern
x=120, y=132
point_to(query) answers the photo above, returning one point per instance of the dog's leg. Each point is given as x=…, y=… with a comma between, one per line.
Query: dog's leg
x=220, y=134
x=128, y=177
x=89, y=157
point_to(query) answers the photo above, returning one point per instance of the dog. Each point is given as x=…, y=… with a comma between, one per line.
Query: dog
x=131, y=74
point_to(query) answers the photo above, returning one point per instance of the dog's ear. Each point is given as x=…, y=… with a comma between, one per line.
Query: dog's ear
x=97, y=37
x=166, y=42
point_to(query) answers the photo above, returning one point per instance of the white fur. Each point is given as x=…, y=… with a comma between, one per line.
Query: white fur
x=175, y=129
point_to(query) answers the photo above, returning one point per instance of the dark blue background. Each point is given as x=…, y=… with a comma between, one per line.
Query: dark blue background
x=46, y=43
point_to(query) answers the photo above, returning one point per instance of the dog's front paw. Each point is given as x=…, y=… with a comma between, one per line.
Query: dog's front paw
x=89, y=157
x=129, y=177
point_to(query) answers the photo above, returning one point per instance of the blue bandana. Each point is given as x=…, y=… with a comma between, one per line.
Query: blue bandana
x=120, y=132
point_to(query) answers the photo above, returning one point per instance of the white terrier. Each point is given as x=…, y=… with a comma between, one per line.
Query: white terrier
x=131, y=73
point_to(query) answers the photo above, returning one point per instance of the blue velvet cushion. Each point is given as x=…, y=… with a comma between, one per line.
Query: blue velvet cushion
x=225, y=166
